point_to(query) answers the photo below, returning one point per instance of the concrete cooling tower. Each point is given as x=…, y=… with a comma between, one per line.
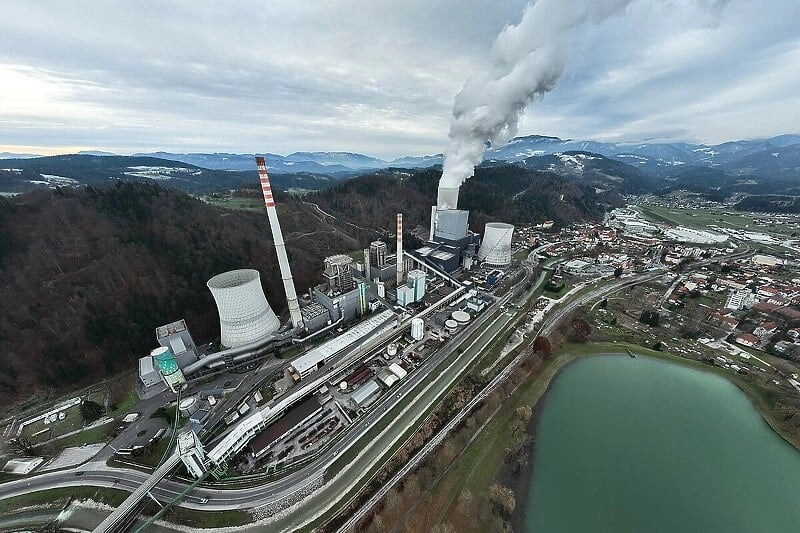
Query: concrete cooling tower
x=244, y=314
x=495, y=248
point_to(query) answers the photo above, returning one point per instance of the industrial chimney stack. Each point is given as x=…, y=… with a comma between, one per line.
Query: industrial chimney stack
x=399, y=249
x=280, y=248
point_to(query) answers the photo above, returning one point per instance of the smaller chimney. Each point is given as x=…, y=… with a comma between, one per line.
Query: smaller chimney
x=399, y=248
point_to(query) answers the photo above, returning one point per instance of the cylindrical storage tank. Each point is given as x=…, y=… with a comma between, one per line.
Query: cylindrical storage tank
x=343, y=385
x=450, y=325
x=417, y=329
x=244, y=314
x=169, y=368
x=391, y=350
x=212, y=401
x=460, y=316
x=495, y=249
x=188, y=406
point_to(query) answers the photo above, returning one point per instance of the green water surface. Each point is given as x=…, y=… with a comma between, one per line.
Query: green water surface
x=640, y=445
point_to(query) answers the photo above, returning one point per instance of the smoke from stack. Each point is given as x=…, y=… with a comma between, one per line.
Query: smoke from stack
x=527, y=61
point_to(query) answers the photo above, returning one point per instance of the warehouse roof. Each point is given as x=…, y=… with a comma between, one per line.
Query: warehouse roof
x=374, y=325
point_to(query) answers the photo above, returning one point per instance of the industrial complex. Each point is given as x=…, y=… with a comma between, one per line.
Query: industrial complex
x=371, y=323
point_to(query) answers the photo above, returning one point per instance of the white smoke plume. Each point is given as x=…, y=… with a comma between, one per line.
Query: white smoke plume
x=527, y=61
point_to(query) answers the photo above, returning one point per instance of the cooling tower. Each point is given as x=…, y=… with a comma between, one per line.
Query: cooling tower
x=495, y=249
x=244, y=314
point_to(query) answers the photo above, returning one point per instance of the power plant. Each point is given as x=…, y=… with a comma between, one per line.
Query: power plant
x=356, y=335
x=250, y=329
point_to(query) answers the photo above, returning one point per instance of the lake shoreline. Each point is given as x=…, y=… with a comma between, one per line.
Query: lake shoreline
x=521, y=481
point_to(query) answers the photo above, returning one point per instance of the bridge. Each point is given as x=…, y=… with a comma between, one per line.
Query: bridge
x=120, y=515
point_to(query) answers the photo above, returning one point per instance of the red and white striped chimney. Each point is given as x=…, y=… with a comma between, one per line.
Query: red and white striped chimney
x=280, y=247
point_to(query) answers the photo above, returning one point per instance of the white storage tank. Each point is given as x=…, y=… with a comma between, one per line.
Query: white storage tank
x=244, y=314
x=495, y=248
x=460, y=316
x=212, y=401
x=417, y=329
x=451, y=325
x=343, y=386
x=391, y=350
x=188, y=406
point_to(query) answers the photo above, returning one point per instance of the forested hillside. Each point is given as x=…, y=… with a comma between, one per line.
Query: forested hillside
x=89, y=273
x=504, y=193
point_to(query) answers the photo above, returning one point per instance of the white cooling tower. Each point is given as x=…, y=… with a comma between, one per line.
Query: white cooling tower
x=244, y=314
x=495, y=249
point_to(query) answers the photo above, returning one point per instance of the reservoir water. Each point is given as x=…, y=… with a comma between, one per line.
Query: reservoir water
x=641, y=445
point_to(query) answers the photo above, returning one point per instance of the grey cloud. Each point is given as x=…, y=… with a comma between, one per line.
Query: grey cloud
x=380, y=77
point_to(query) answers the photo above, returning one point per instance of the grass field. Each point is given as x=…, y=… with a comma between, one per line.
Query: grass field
x=56, y=498
x=247, y=204
x=702, y=218
x=90, y=436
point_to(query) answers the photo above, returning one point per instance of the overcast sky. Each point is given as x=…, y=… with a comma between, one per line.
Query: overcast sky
x=377, y=77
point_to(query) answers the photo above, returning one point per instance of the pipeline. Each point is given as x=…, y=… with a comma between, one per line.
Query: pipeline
x=323, y=330
x=239, y=353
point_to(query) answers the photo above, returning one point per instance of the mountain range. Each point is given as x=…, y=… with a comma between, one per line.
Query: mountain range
x=777, y=154
x=728, y=167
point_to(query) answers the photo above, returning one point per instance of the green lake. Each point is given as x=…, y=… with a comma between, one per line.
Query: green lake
x=641, y=445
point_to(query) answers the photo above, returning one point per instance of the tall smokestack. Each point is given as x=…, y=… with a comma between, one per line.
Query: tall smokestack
x=399, y=248
x=447, y=197
x=433, y=222
x=367, y=265
x=280, y=248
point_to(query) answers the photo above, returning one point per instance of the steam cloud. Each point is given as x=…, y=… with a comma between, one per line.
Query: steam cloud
x=527, y=61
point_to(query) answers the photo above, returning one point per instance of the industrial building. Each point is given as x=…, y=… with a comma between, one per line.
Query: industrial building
x=338, y=273
x=176, y=336
x=377, y=254
x=293, y=417
x=315, y=316
x=317, y=357
x=363, y=394
x=404, y=295
x=244, y=314
x=191, y=452
x=391, y=374
x=416, y=280
x=148, y=373
x=450, y=244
